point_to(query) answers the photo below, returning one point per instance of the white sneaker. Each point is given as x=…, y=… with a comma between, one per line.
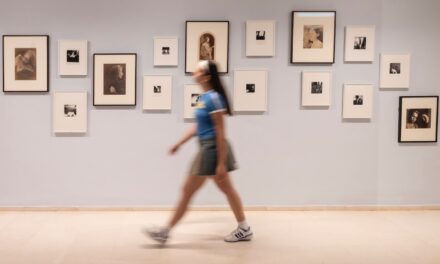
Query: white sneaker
x=239, y=234
x=159, y=234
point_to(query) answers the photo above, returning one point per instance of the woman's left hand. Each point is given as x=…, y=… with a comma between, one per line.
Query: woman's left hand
x=220, y=171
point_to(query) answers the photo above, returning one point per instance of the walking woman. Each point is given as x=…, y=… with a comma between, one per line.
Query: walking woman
x=215, y=158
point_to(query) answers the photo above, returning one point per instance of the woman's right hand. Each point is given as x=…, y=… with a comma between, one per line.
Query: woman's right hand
x=174, y=149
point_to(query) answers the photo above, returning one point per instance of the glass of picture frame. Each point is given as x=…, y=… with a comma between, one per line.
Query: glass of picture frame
x=358, y=101
x=418, y=119
x=316, y=88
x=114, y=79
x=250, y=90
x=72, y=57
x=260, y=38
x=25, y=63
x=166, y=51
x=191, y=98
x=157, y=92
x=70, y=112
x=207, y=40
x=395, y=71
x=313, y=37
x=360, y=43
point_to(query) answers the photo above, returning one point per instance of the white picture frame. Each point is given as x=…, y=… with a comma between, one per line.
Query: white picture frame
x=316, y=88
x=166, y=51
x=190, y=99
x=357, y=101
x=260, y=38
x=157, y=92
x=395, y=71
x=70, y=112
x=73, y=57
x=360, y=43
x=250, y=90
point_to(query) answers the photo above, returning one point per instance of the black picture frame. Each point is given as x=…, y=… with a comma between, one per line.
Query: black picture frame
x=187, y=45
x=400, y=121
x=47, y=64
x=94, y=78
x=292, y=35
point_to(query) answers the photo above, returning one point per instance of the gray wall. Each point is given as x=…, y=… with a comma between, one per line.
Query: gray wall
x=288, y=156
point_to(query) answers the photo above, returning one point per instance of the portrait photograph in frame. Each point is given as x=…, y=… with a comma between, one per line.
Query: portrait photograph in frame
x=250, y=90
x=316, y=88
x=166, y=51
x=358, y=101
x=70, y=112
x=360, y=43
x=418, y=119
x=72, y=57
x=207, y=40
x=25, y=63
x=157, y=91
x=313, y=37
x=114, y=79
x=191, y=98
x=260, y=38
x=395, y=70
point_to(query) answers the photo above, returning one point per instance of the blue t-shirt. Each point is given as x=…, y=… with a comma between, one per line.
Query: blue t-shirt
x=208, y=103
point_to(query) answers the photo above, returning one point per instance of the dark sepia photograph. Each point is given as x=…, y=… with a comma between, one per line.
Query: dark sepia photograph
x=250, y=88
x=194, y=99
x=394, y=68
x=358, y=100
x=360, y=43
x=114, y=79
x=313, y=37
x=260, y=35
x=316, y=87
x=70, y=110
x=206, y=51
x=73, y=56
x=157, y=89
x=25, y=64
x=418, y=118
x=165, y=50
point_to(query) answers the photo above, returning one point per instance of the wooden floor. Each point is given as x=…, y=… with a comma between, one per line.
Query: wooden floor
x=391, y=237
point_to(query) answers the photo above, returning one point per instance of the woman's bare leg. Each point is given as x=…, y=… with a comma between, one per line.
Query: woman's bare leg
x=225, y=185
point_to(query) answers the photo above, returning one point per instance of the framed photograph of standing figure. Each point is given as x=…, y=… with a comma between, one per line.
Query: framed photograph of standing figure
x=260, y=38
x=157, y=92
x=191, y=98
x=360, y=43
x=395, y=71
x=250, y=90
x=166, y=51
x=114, y=79
x=70, y=112
x=207, y=40
x=313, y=37
x=316, y=88
x=358, y=101
x=25, y=63
x=72, y=57
x=418, y=119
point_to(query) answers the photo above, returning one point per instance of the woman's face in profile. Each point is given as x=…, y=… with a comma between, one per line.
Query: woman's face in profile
x=313, y=35
x=120, y=72
x=200, y=77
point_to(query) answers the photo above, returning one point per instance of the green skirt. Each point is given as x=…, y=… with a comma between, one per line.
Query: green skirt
x=205, y=162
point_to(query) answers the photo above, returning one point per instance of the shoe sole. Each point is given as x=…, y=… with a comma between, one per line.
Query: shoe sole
x=244, y=239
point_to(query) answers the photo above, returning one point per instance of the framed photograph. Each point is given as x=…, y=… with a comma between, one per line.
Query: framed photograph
x=395, y=71
x=360, y=43
x=418, y=119
x=166, y=51
x=72, y=57
x=25, y=63
x=70, y=112
x=191, y=98
x=316, y=88
x=260, y=38
x=207, y=40
x=114, y=79
x=250, y=90
x=313, y=37
x=157, y=92
x=358, y=101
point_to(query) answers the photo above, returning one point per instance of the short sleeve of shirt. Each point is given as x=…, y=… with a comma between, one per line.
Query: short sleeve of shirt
x=215, y=103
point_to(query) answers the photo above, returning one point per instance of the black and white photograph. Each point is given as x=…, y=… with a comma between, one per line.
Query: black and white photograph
x=260, y=35
x=360, y=43
x=165, y=50
x=250, y=88
x=70, y=110
x=394, y=68
x=25, y=64
x=418, y=118
x=114, y=79
x=207, y=45
x=72, y=56
x=358, y=100
x=195, y=99
x=157, y=89
x=316, y=87
x=313, y=36
x=395, y=71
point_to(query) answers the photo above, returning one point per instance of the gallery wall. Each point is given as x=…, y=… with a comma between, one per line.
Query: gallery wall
x=288, y=156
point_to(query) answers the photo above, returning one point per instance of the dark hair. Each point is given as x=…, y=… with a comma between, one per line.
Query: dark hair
x=217, y=85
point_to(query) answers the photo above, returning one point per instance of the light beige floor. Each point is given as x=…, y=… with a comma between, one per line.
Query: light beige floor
x=391, y=237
